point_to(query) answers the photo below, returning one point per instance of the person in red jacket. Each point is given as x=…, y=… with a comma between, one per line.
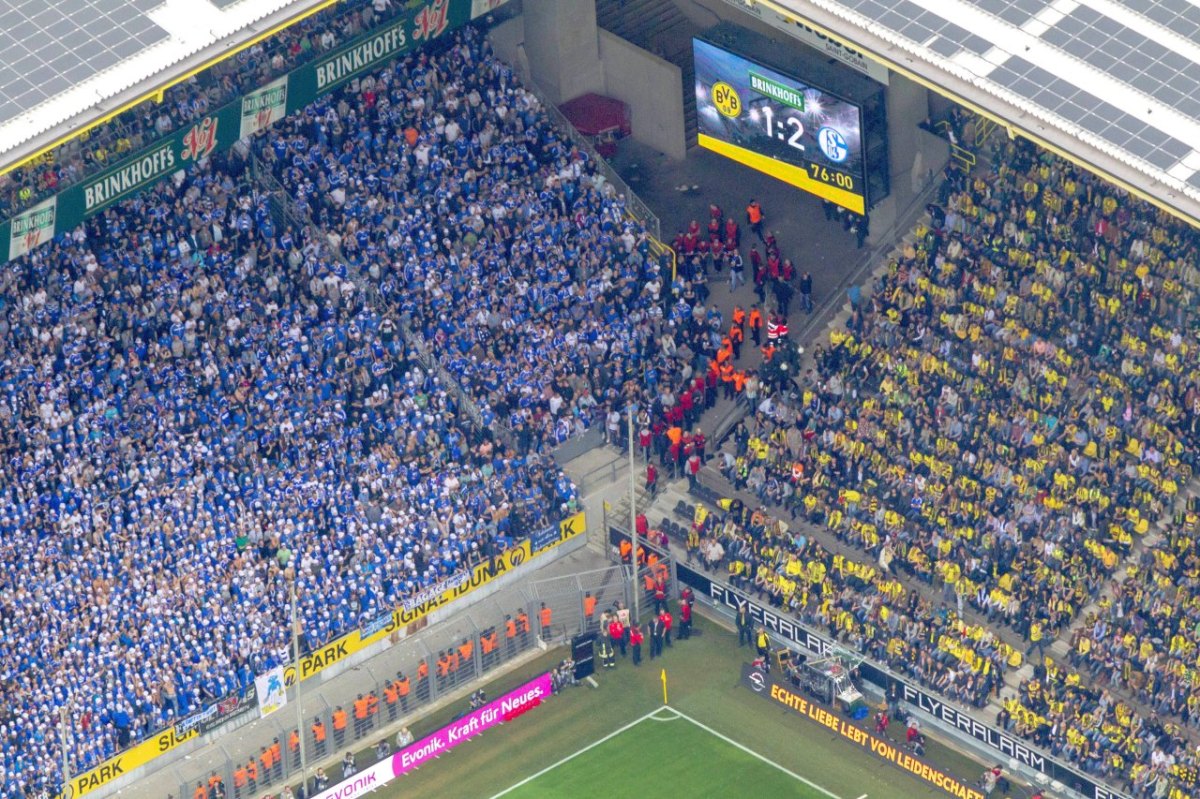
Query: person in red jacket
x=616, y=634
x=651, y=479
x=635, y=643
x=685, y=620
x=667, y=621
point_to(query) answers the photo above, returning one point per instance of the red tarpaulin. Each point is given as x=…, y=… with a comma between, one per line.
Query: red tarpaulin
x=597, y=115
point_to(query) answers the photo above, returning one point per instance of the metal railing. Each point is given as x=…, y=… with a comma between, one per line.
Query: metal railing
x=343, y=728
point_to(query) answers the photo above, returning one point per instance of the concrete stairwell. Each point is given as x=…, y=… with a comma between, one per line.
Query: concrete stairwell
x=659, y=27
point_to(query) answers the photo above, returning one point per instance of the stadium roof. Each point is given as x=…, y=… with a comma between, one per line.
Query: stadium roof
x=65, y=64
x=1114, y=84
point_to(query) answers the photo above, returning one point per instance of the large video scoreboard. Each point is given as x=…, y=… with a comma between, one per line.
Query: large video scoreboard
x=797, y=130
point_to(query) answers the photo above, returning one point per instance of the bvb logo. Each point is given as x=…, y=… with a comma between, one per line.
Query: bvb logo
x=726, y=99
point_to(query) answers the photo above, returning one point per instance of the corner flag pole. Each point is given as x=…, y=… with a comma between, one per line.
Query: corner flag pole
x=664, y=682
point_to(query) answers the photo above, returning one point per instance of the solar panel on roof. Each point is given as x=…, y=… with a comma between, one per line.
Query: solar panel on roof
x=1147, y=57
x=58, y=43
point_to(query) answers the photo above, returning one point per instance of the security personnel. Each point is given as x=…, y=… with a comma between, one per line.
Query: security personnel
x=391, y=698
x=216, y=786
x=635, y=643
x=487, y=646
x=318, y=734
x=736, y=337
x=241, y=782
x=372, y=709
x=754, y=215
x=252, y=775
x=294, y=747
x=402, y=689
x=466, y=654
x=616, y=634
x=276, y=751
x=423, y=679
x=589, y=608
x=339, y=727
x=201, y=792
x=544, y=618
x=523, y=626
x=744, y=624
x=755, y=320
x=667, y=622
x=660, y=593
x=266, y=762
x=360, y=716
x=510, y=635
x=685, y=619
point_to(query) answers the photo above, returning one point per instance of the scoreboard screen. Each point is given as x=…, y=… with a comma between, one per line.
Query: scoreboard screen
x=777, y=124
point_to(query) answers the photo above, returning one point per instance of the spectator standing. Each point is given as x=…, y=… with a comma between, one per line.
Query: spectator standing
x=806, y=299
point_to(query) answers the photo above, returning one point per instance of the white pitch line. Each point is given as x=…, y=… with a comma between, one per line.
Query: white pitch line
x=585, y=749
x=766, y=760
x=864, y=796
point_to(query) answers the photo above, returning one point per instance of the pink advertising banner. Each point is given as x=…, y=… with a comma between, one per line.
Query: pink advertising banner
x=498, y=711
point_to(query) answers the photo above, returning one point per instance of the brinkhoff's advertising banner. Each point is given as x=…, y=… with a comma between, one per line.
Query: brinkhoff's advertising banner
x=244, y=115
x=791, y=630
x=765, y=686
x=417, y=754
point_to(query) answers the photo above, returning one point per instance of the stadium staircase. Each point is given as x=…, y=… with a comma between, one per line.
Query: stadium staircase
x=659, y=27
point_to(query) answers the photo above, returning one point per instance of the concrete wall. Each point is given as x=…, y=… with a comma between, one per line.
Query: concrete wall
x=508, y=42
x=653, y=89
x=913, y=152
x=562, y=46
